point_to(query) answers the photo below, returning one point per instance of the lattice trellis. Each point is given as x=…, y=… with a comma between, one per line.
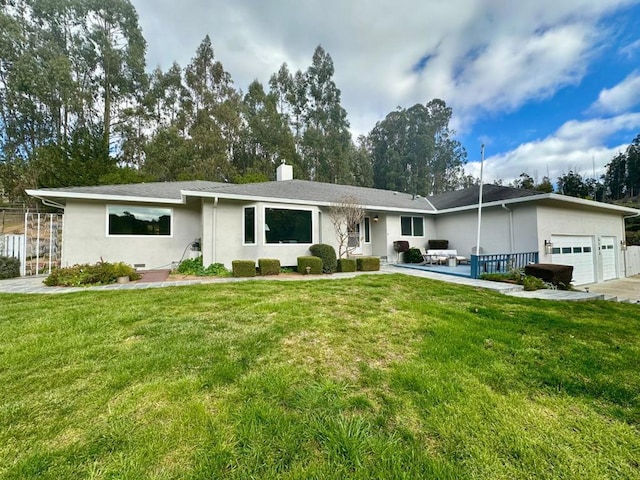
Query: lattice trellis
x=44, y=242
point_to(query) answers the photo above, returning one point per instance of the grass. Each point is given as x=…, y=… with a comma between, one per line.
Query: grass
x=381, y=376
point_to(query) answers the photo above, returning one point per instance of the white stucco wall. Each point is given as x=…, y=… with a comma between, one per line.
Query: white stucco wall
x=85, y=238
x=223, y=234
x=509, y=229
x=393, y=228
x=576, y=221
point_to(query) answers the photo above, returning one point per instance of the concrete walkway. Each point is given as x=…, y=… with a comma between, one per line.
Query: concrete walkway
x=505, y=288
x=35, y=285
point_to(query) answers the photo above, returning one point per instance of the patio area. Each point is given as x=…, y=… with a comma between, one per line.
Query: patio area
x=458, y=271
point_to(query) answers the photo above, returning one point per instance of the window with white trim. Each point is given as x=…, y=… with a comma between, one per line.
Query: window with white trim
x=367, y=230
x=283, y=225
x=249, y=223
x=138, y=221
x=412, y=226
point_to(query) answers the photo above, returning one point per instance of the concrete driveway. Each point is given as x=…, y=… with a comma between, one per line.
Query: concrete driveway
x=622, y=288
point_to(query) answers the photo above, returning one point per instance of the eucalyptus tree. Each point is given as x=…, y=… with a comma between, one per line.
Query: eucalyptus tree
x=266, y=140
x=413, y=150
x=326, y=141
x=211, y=109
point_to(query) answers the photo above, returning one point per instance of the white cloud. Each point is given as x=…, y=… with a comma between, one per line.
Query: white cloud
x=620, y=98
x=576, y=146
x=485, y=55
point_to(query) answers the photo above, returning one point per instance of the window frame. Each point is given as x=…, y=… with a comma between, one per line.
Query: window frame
x=244, y=226
x=137, y=207
x=292, y=208
x=366, y=221
x=412, y=225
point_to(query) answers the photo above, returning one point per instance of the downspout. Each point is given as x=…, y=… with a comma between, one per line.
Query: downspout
x=511, y=237
x=51, y=203
x=214, y=228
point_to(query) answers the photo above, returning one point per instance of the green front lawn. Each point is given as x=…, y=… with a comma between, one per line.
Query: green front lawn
x=382, y=376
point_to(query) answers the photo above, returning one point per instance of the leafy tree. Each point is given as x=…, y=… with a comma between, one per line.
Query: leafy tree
x=573, y=185
x=616, y=177
x=326, y=140
x=212, y=114
x=265, y=139
x=633, y=167
x=545, y=186
x=115, y=47
x=525, y=182
x=413, y=150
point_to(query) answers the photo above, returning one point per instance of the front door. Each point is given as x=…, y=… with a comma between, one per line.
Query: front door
x=354, y=244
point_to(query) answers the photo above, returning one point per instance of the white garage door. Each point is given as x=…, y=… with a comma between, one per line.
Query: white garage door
x=608, y=254
x=576, y=251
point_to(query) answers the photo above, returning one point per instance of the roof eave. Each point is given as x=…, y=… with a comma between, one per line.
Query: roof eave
x=294, y=201
x=104, y=197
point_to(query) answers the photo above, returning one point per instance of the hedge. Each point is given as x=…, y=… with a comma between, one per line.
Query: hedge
x=310, y=261
x=328, y=256
x=101, y=273
x=368, y=264
x=9, y=267
x=558, y=275
x=413, y=255
x=347, y=265
x=243, y=268
x=269, y=266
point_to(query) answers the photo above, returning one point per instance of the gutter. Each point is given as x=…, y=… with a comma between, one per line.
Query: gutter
x=50, y=203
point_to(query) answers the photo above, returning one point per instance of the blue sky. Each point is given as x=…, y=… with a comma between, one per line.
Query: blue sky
x=549, y=86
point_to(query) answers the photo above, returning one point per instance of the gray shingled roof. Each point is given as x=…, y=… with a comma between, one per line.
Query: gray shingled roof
x=469, y=196
x=322, y=192
x=169, y=190
x=303, y=190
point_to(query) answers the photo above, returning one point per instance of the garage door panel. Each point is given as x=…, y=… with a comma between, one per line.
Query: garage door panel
x=578, y=252
x=608, y=254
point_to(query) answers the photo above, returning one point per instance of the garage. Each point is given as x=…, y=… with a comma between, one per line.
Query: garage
x=608, y=254
x=577, y=251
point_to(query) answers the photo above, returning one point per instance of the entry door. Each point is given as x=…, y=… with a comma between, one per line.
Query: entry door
x=608, y=255
x=577, y=251
x=354, y=242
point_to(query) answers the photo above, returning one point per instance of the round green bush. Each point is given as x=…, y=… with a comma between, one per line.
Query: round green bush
x=328, y=256
x=413, y=255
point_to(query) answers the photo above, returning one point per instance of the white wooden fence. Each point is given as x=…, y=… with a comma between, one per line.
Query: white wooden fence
x=14, y=246
x=632, y=260
x=39, y=248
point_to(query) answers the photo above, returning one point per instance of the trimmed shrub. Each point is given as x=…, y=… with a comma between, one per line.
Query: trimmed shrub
x=347, y=265
x=328, y=256
x=194, y=266
x=368, y=264
x=558, y=275
x=244, y=268
x=533, y=283
x=401, y=246
x=438, y=244
x=269, y=266
x=413, y=255
x=310, y=261
x=101, y=273
x=9, y=267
